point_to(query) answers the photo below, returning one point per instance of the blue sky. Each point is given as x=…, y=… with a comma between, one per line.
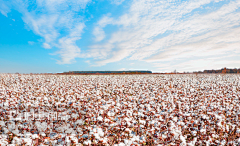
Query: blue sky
x=159, y=35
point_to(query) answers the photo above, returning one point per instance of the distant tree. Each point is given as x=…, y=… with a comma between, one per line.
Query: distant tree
x=224, y=70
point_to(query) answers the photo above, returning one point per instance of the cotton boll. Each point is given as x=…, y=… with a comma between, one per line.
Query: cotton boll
x=70, y=130
x=183, y=139
x=143, y=122
x=74, y=115
x=60, y=129
x=87, y=142
x=203, y=130
x=43, y=134
x=238, y=130
x=2, y=123
x=175, y=119
x=100, y=132
x=3, y=142
x=215, y=136
x=16, y=141
x=97, y=136
x=223, y=142
x=34, y=136
x=192, y=90
x=5, y=130
x=127, y=129
x=194, y=133
x=27, y=140
x=182, y=123
x=121, y=144
x=80, y=122
x=127, y=142
x=164, y=136
x=227, y=127
x=16, y=131
x=99, y=118
x=204, y=116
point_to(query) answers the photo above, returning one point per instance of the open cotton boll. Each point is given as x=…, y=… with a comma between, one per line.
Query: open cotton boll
x=42, y=133
x=121, y=144
x=227, y=127
x=164, y=136
x=3, y=142
x=34, y=136
x=203, y=130
x=87, y=142
x=175, y=119
x=128, y=130
x=99, y=118
x=27, y=140
x=189, y=118
x=80, y=122
x=183, y=139
x=194, y=133
x=16, y=141
x=100, y=132
x=135, y=138
x=2, y=123
x=70, y=130
x=238, y=130
x=97, y=136
x=143, y=122
x=127, y=142
x=192, y=90
x=28, y=135
x=16, y=131
x=60, y=129
x=192, y=143
x=204, y=116
x=5, y=130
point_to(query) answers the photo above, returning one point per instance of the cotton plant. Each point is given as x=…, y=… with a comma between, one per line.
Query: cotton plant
x=133, y=102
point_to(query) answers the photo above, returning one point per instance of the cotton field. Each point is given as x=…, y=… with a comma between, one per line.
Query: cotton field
x=119, y=110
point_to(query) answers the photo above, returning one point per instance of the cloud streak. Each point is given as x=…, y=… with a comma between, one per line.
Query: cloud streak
x=157, y=31
x=56, y=22
x=165, y=32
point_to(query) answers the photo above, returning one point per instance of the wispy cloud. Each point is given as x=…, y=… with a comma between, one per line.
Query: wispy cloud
x=56, y=22
x=4, y=8
x=121, y=69
x=172, y=30
x=165, y=32
x=31, y=43
x=117, y=2
x=98, y=31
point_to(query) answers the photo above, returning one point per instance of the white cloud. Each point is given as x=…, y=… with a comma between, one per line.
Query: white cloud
x=31, y=43
x=69, y=50
x=155, y=31
x=50, y=18
x=117, y=2
x=121, y=69
x=199, y=64
x=4, y=8
x=88, y=61
x=173, y=31
x=46, y=46
x=116, y=56
x=98, y=31
x=219, y=44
